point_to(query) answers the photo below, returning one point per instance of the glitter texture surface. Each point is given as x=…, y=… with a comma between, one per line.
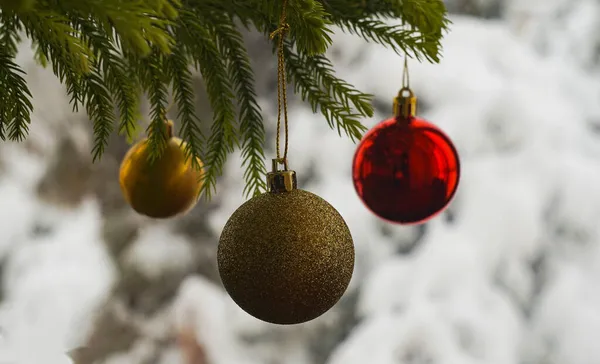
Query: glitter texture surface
x=163, y=189
x=286, y=258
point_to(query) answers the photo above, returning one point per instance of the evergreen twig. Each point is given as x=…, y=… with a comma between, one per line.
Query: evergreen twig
x=108, y=52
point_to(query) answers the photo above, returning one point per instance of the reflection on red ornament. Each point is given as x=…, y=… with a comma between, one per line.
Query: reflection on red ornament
x=406, y=170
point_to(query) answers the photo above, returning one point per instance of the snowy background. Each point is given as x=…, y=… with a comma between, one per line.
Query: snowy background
x=509, y=274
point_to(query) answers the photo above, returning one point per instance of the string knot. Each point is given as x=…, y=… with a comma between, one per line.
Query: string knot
x=282, y=30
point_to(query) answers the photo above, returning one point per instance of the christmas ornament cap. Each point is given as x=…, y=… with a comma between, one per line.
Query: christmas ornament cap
x=281, y=181
x=169, y=127
x=405, y=104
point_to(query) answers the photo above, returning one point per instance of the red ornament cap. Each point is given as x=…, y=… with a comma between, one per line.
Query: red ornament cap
x=406, y=170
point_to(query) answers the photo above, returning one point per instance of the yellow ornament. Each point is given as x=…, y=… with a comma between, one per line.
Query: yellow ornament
x=163, y=188
x=285, y=256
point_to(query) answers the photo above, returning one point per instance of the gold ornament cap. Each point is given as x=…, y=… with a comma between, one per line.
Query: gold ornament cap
x=169, y=129
x=281, y=181
x=405, y=104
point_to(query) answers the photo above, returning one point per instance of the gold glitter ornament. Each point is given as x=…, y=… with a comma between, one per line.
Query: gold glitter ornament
x=164, y=188
x=285, y=256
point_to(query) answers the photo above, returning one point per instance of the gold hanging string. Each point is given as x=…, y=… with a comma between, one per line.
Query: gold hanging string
x=170, y=105
x=405, y=104
x=168, y=123
x=281, y=81
x=405, y=75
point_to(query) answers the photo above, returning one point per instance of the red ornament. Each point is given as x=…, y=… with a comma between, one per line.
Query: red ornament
x=406, y=170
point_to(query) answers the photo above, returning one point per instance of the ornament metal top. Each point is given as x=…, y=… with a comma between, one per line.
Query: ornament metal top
x=285, y=256
x=406, y=170
x=405, y=104
x=281, y=181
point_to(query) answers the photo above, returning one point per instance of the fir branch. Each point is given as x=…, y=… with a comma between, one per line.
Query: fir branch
x=108, y=51
x=200, y=43
x=309, y=22
x=119, y=75
x=138, y=24
x=310, y=26
x=10, y=27
x=257, y=13
x=183, y=94
x=16, y=106
x=321, y=70
x=336, y=114
x=99, y=108
x=351, y=9
x=427, y=16
x=250, y=117
x=69, y=62
x=126, y=90
x=396, y=37
x=154, y=80
x=17, y=5
x=423, y=22
x=54, y=33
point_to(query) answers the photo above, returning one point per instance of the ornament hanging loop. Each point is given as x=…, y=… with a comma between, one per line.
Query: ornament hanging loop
x=281, y=180
x=405, y=104
x=405, y=74
x=281, y=32
x=169, y=125
x=276, y=162
x=169, y=131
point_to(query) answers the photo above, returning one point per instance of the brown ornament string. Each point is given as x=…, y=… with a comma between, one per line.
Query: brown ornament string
x=405, y=104
x=168, y=123
x=169, y=107
x=281, y=82
x=405, y=75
